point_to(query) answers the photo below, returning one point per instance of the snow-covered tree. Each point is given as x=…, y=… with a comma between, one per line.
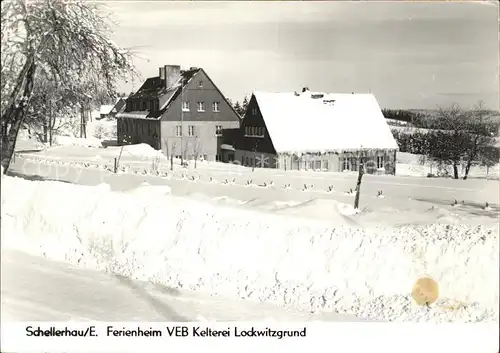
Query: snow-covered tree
x=238, y=108
x=244, y=105
x=62, y=42
x=463, y=137
x=52, y=110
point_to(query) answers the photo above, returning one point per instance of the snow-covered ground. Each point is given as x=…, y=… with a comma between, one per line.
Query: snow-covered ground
x=37, y=289
x=404, y=200
x=323, y=265
x=408, y=164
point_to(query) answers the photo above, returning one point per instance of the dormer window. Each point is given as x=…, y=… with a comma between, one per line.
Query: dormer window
x=254, y=111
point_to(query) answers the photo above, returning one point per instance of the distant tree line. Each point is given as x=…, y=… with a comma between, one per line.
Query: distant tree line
x=406, y=116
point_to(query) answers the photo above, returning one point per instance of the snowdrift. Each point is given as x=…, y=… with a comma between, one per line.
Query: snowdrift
x=77, y=141
x=217, y=249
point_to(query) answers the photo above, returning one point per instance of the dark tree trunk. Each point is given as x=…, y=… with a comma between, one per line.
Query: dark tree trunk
x=45, y=130
x=472, y=156
x=83, y=122
x=467, y=169
x=13, y=118
x=455, y=170
x=358, y=183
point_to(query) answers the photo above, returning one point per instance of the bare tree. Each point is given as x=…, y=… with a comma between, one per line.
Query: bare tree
x=170, y=151
x=461, y=136
x=197, y=150
x=64, y=42
x=174, y=147
x=481, y=131
x=185, y=152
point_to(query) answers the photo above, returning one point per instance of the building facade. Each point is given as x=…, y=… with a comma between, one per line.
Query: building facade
x=181, y=112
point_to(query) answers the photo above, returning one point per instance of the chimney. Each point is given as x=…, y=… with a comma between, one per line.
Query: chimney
x=172, y=75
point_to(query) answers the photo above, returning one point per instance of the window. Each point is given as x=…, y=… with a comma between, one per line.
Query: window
x=216, y=106
x=325, y=165
x=178, y=156
x=317, y=165
x=217, y=158
x=144, y=106
x=185, y=106
x=201, y=106
x=218, y=130
x=246, y=161
x=200, y=84
x=190, y=130
x=254, y=111
x=380, y=162
x=346, y=164
x=354, y=164
x=178, y=130
x=205, y=157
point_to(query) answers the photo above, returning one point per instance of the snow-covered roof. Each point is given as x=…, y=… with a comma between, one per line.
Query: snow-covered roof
x=133, y=115
x=106, y=109
x=322, y=122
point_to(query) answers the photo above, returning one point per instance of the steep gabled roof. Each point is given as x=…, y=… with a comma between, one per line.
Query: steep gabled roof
x=154, y=88
x=320, y=122
x=222, y=95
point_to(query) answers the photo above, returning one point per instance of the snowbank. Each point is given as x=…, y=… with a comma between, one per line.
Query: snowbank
x=254, y=255
x=140, y=150
x=102, y=129
x=76, y=141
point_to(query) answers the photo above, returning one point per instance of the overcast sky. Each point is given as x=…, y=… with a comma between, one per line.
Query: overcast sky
x=409, y=54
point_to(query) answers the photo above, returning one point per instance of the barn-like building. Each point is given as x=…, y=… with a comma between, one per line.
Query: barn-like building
x=315, y=131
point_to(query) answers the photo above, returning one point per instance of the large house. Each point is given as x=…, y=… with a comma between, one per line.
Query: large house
x=315, y=131
x=181, y=112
